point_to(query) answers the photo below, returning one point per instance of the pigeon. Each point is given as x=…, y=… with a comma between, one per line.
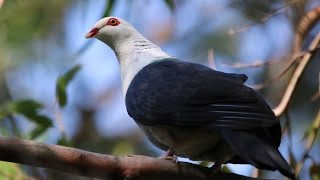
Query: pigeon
x=190, y=110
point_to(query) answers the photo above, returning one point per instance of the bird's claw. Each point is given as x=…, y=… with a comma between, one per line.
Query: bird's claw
x=174, y=159
x=169, y=155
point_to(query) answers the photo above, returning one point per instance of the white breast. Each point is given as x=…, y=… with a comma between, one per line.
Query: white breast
x=131, y=65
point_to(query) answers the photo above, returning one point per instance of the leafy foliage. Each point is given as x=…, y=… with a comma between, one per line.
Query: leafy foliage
x=11, y=171
x=29, y=109
x=23, y=21
x=62, y=83
x=315, y=171
x=64, y=141
x=253, y=10
x=170, y=4
x=109, y=7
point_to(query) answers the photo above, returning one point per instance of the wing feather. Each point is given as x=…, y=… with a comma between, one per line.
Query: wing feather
x=178, y=93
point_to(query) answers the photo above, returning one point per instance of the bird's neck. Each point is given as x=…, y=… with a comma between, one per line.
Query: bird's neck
x=133, y=55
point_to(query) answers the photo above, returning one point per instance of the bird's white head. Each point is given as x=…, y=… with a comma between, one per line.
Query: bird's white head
x=133, y=50
x=112, y=30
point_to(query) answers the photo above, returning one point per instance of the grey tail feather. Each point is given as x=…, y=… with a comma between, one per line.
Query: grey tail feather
x=257, y=152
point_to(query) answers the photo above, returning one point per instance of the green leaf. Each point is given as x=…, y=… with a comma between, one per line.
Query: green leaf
x=40, y=119
x=4, y=111
x=11, y=171
x=315, y=171
x=61, y=93
x=109, y=8
x=226, y=169
x=37, y=131
x=27, y=108
x=293, y=161
x=170, y=4
x=64, y=141
x=309, y=130
x=69, y=75
x=204, y=163
x=19, y=107
x=62, y=84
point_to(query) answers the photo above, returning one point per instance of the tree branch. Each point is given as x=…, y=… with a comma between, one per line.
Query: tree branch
x=264, y=18
x=297, y=56
x=293, y=81
x=310, y=142
x=102, y=166
x=305, y=24
x=1, y=3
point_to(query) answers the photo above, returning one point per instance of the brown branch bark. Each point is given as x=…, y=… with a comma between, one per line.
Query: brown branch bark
x=84, y=163
x=306, y=23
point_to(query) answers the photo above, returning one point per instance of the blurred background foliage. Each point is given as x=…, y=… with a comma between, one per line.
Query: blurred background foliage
x=57, y=87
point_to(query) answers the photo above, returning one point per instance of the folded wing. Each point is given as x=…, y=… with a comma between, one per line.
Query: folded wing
x=178, y=93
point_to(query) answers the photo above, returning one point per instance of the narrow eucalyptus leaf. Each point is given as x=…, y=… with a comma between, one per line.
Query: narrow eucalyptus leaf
x=36, y=132
x=62, y=83
x=170, y=4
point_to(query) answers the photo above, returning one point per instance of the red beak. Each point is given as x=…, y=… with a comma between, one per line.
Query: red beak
x=92, y=33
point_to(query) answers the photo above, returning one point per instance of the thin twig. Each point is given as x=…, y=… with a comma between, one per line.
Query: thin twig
x=255, y=173
x=291, y=160
x=306, y=23
x=1, y=3
x=211, y=62
x=310, y=142
x=293, y=81
x=288, y=65
x=263, y=19
x=315, y=96
x=287, y=130
x=259, y=63
x=59, y=119
x=288, y=127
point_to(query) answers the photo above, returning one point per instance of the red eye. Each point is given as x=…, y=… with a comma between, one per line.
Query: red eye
x=113, y=22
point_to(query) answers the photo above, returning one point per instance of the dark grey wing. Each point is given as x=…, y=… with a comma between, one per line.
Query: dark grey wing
x=178, y=93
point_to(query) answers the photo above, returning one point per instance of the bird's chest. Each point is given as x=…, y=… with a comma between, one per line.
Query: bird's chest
x=184, y=142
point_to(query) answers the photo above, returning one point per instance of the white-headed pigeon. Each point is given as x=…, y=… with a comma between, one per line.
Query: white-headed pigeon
x=190, y=110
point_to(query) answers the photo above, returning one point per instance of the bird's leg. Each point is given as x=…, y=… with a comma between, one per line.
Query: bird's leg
x=169, y=155
x=216, y=167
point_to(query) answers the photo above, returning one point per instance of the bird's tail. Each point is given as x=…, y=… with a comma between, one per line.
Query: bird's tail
x=257, y=152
